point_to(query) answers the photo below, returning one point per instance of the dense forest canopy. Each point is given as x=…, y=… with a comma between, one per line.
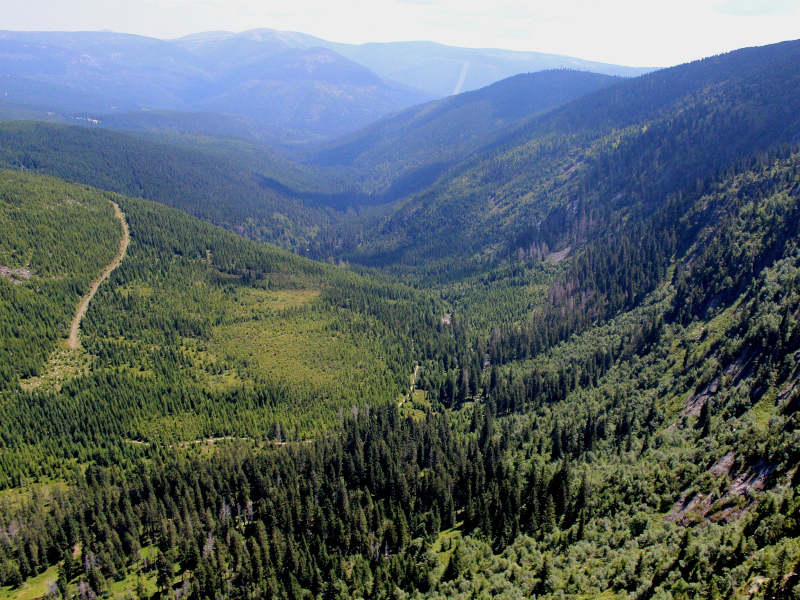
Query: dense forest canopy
x=584, y=382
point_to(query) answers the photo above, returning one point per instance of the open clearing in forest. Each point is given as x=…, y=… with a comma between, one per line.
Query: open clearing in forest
x=33, y=588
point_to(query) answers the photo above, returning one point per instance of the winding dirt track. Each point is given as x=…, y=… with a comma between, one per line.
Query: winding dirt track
x=411, y=390
x=74, y=340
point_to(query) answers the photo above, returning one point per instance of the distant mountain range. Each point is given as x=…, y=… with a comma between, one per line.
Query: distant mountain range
x=314, y=89
x=278, y=80
x=428, y=66
x=242, y=184
x=632, y=144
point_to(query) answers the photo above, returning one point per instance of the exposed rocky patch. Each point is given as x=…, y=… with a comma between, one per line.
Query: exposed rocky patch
x=15, y=275
x=693, y=507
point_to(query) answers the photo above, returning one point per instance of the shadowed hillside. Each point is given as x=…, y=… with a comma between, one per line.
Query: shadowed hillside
x=624, y=148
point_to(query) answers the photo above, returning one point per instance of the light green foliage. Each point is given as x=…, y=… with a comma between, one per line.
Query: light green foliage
x=202, y=334
x=34, y=588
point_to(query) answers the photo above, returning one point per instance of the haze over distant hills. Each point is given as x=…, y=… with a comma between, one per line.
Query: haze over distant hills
x=257, y=190
x=276, y=81
x=313, y=89
x=428, y=66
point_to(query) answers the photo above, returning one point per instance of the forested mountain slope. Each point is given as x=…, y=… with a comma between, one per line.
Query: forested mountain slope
x=197, y=123
x=592, y=392
x=627, y=147
x=295, y=198
x=653, y=454
x=407, y=151
x=54, y=240
x=240, y=193
x=199, y=333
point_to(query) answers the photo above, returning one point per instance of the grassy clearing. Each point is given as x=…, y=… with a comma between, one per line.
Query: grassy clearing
x=117, y=590
x=415, y=406
x=126, y=587
x=270, y=335
x=607, y=595
x=765, y=409
x=35, y=587
x=443, y=542
x=13, y=497
x=64, y=365
x=299, y=349
x=254, y=301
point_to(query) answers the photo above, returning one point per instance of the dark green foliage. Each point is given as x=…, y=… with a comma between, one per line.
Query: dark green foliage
x=164, y=335
x=54, y=239
x=622, y=151
x=618, y=418
x=209, y=186
x=421, y=142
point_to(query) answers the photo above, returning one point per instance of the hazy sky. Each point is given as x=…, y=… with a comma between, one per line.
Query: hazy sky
x=630, y=32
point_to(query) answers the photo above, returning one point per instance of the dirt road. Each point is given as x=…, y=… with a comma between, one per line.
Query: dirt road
x=413, y=385
x=74, y=340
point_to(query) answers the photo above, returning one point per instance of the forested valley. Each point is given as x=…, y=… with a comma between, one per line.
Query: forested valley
x=562, y=364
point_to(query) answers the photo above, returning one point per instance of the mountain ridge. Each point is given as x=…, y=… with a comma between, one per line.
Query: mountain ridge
x=459, y=125
x=112, y=72
x=290, y=198
x=430, y=66
x=561, y=154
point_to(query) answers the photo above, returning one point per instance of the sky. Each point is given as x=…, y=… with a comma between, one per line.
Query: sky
x=642, y=33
